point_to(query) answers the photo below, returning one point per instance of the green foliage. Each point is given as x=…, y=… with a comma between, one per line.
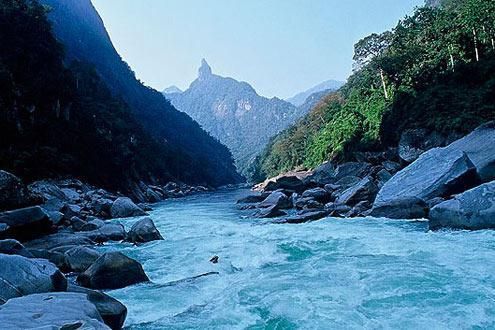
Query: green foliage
x=434, y=70
x=58, y=121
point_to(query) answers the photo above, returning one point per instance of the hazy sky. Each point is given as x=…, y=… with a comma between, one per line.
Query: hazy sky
x=281, y=47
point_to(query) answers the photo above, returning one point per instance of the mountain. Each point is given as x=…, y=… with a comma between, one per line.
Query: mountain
x=328, y=86
x=234, y=113
x=198, y=157
x=60, y=120
x=409, y=79
x=172, y=90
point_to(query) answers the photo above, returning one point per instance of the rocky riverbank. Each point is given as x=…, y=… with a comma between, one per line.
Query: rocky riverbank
x=51, y=273
x=449, y=183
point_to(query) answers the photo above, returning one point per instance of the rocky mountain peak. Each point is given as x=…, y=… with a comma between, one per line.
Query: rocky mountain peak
x=204, y=69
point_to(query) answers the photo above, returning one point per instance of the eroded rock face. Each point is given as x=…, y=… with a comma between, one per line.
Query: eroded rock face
x=473, y=209
x=112, y=270
x=144, y=231
x=61, y=310
x=480, y=148
x=20, y=276
x=124, y=207
x=437, y=173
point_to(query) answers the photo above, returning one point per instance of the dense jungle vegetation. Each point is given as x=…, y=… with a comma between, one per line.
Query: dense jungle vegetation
x=434, y=70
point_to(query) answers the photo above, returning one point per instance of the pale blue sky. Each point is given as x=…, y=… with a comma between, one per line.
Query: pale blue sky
x=281, y=47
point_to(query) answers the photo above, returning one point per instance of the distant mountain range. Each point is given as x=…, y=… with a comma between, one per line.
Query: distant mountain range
x=326, y=86
x=234, y=113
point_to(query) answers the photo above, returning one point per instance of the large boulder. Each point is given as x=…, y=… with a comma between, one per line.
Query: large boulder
x=473, y=209
x=318, y=194
x=61, y=310
x=11, y=246
x=112, y=270
x=107, y=232
x=53, y=241
x=276, y=199
x=124, y=207
x=80, y=258
x=322, y=175
x=269, y=212
x=14, y=194
x=413, y=143
x=26, y=223
x=112, y=311
x=480, y=148
x=439, y=172
x=358, y=169
x=403, y=208
x=20, y=276
x=289, y=182
x=364, y=190
x=144, y=231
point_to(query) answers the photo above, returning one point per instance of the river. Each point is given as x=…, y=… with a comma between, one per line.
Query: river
x=329, y=274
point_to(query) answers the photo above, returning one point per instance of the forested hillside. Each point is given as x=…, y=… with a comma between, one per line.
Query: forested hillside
x=435, y=70
x=60, y=119
x=200, y=157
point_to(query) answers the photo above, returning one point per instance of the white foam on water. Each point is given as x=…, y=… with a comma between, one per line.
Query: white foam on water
x=330, y=274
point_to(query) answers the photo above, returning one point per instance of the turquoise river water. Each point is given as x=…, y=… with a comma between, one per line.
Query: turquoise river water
x=329, y=274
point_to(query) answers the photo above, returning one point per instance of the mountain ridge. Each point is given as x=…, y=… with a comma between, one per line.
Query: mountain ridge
x=233, y=112
x=328, y=85
x=204, y=160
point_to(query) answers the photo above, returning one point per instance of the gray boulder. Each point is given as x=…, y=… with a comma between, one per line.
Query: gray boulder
x=144, y=231
x=124, y=207
x=269, y=212
x=61, y=310
x=112, y=270
x=473, y=209
x=276, y=199
x=364, y=190
x=27, y=223
x=322, y=175
x=11, y=246
x=318, y=194
x=401, y=208
x=337, y=210
x=307, y=203
x=53, y=241
x=112, y=311
x=480, y=148
x=352, y=169
x=14, y=194
x=108, y=232
x=80, y=258
x=289, y=182
x=413, y=143
x=436, y=173
x=20, y=276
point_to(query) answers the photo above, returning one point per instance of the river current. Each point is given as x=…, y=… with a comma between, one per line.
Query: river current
x=329, y=274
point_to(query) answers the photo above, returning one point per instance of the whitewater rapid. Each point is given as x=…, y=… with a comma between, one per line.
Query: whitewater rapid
x=329, y=274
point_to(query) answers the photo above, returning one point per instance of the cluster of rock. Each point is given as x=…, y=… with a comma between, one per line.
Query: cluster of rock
x=51, y=272
x=452, y=186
